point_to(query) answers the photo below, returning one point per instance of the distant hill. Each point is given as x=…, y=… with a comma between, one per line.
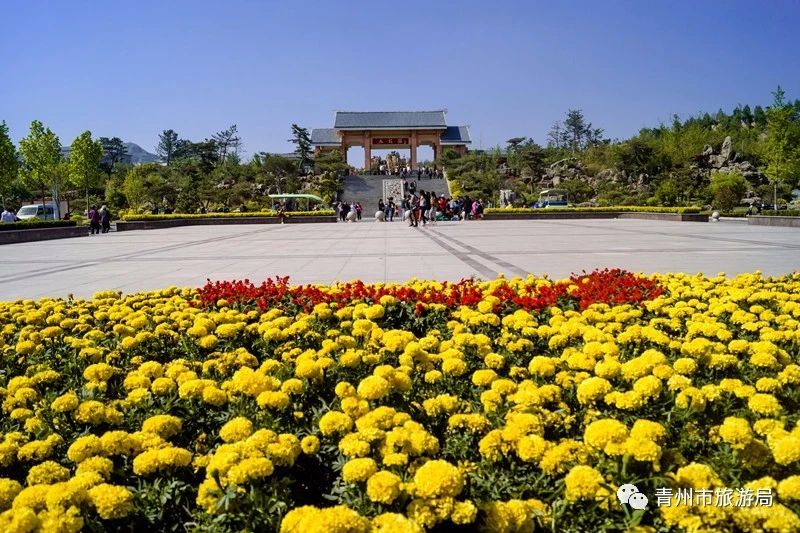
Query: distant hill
x=136, y=154
x=139, y=155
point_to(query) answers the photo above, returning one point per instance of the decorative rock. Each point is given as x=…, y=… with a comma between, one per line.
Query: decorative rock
x=727, y=148
x=380, y=216
x=715, y=216
x=351, y=216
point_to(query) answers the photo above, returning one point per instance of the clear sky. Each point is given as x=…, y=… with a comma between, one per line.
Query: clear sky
x=131, y=69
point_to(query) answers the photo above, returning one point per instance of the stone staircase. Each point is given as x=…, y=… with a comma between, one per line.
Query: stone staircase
x=368, y=189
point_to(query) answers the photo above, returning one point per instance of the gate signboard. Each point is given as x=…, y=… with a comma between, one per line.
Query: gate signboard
x=389, y=141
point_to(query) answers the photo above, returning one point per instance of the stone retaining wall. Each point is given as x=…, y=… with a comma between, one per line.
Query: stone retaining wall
x=126, y=225
x=786, y=222
x=42, y=234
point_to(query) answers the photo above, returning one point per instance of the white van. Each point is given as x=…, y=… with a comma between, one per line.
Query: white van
x=42, y=212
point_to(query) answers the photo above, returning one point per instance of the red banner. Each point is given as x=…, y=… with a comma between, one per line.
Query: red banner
x=389, y=141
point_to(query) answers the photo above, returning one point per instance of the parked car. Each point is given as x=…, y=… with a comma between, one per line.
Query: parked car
x=42, y=212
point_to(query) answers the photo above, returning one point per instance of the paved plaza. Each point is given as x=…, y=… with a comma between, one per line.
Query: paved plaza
x=138, y=260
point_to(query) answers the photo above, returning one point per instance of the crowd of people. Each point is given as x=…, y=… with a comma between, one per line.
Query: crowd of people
x=406, y=172
x=415, y=208
x=8, y=216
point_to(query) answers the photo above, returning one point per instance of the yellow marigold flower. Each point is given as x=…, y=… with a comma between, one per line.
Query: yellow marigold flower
x=46, y=473
x=483, y=377
x=394, y=522
x=602, y=433
x=532, y=448
x=356, y=470
x=648, y=430
x=163, y=386
x=583, y=483
x=592, y=389
x=99, y=372
x=454, y=366
x=685, y=365
x=373, y=388
x=438, y=479
x=764, y=404
x=250, y=470
x=236, y=429
x=9, y=488
x=100, y=465
x=273, y=399
x=383, y=487
x=786, y=450
x=736, y=432
x=338, y=519
x=164, y=426
x=208, y=342
x=310, y=445
x=698, y=476
x=433, y=376
x=788, y=489
x=111, y=501
x=335, y=422
x=464, y=513
x=65, y=403
x=151, y=461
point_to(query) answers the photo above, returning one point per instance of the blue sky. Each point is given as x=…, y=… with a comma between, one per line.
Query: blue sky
x=132, y=69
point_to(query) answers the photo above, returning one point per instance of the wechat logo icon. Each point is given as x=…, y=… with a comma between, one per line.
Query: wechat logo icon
x=629, y=494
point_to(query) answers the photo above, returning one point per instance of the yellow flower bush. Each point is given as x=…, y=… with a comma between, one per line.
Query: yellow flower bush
x=517, y=406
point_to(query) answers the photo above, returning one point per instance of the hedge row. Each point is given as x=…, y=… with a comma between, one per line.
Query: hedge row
x=610, y=209
x=175, y=216
x=37, y=224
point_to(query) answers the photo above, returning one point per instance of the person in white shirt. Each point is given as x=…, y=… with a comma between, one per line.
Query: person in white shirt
x=8, y=216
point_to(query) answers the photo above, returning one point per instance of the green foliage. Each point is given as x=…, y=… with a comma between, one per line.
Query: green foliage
x=37, y=224
x=8, y=162
x=41, y=153
x=609, y=209
x=146, y=186
x=84, y=163
x=727, y=189
x=667, y=192
x=167, y=145
x=782, y=146
x=302, y=142
x=254, y=214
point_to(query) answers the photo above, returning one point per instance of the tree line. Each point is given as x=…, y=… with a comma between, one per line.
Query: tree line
x=191, y=175
x=657, y=166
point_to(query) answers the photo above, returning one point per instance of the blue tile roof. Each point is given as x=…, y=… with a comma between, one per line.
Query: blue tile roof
x=456, y=135
x=322, y=136
x=389, y=119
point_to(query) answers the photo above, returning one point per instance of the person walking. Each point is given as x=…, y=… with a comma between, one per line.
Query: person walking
x=358, y=210
x=414, y=215
x=105, y=219
x=423, y=207
x=94, y=221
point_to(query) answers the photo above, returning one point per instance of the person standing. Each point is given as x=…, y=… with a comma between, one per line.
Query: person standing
x=105, y=219
x=414, y=217
x=390, y=208
x=94, y=220
x=358, y=210
x=8, y=216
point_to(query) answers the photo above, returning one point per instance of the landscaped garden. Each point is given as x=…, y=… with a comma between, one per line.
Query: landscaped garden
x=504, y=405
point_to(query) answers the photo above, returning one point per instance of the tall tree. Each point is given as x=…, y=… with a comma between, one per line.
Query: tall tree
x=114, y=152
x=41, y=154
x=227, y=141
x=555, y=135
x=9, y=165
x=782, y=146
x=84, y=162
x=302, y=141
x=167, y=145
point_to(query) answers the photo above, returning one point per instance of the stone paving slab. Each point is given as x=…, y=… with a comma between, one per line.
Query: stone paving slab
x=323, y=253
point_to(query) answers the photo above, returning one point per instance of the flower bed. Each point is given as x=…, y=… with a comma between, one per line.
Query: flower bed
x=498, y=405
x=254, y=214
x=611, y=209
